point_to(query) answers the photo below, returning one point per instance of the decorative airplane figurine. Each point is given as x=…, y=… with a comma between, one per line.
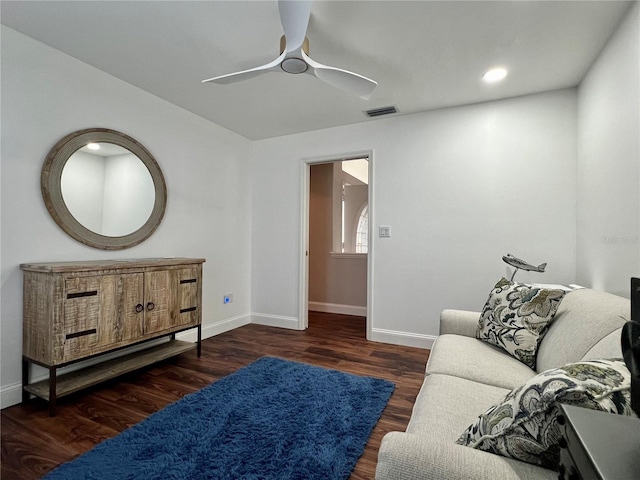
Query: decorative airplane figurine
x=520, y=264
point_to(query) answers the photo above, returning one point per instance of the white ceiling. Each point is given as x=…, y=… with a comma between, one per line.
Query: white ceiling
x=423, y=54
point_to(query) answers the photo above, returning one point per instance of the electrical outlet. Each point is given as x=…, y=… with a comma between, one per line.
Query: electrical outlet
x=228, y=298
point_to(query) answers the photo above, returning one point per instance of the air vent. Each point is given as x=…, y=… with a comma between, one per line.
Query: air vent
x=377, y=112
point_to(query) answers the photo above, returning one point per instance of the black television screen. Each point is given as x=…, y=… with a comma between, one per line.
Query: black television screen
x=631, y=345
x=635, y=300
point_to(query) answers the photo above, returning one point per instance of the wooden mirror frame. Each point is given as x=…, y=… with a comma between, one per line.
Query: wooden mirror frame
x=50, y=184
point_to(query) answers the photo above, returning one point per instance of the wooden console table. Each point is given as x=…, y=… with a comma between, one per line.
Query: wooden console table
x=74, y=311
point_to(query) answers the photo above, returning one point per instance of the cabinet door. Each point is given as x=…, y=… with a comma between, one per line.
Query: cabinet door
x=186, y=307
x=157, y=297
x=129, y=318
x=118, y=303
x=172, y=299
x=101, y=311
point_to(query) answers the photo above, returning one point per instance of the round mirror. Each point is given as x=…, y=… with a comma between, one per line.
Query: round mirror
x=103, y=188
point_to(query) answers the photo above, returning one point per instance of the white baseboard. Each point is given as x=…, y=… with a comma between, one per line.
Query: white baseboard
x=216, y=329
x=402, y=338
x=269, y=320
x=12, y=394
x=338, y=308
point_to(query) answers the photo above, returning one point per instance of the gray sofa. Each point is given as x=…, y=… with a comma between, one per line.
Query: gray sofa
x=465, y=376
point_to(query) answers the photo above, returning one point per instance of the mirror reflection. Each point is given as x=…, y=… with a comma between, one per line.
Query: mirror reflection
x=108, y=189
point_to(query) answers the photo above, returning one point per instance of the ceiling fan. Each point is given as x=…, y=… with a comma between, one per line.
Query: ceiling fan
x=294, y=58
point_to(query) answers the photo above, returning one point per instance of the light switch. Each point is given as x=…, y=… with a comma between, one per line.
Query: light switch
x=384, y=231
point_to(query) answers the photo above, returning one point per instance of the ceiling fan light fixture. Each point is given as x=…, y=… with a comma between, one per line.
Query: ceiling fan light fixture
x=294, y=65
x=495, y=75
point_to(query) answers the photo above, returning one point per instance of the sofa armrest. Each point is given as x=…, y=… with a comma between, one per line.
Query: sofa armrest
x=405, y=456
x=459, y=322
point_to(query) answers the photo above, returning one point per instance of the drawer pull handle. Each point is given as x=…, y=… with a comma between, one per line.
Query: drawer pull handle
x=190, y=280
x=151, y=306
x=139, y=308
x=190, y=309
x=91, y=293
x=80, y=334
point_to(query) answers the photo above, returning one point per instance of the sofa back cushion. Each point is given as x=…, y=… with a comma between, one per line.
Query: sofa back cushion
x=583, y=318
x=609, y=347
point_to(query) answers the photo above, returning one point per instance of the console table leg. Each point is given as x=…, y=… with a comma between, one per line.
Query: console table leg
x=199, y=348
x=52, y=391
x=25, y=379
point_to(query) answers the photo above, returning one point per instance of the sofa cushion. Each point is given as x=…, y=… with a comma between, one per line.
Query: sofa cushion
x=583, y=318
x=406, y=456
x=609, y=347
x=446, y=405
x=466, y=357
x=516, y=317
x=523, y=425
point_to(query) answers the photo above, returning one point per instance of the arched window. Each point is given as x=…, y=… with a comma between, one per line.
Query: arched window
x=362, y=231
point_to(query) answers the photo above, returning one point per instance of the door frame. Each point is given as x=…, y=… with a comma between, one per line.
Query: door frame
x=305, y=173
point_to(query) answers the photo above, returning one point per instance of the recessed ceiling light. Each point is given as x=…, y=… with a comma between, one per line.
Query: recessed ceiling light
x=495, y=75
x=93, y=146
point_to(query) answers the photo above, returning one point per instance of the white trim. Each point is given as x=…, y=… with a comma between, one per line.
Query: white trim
x=340, y=255
x=11, y=395
x=342, y=309
x=370, y=250
x=406, y=339
x=216, y=328
x=281, y=321
x=303, y=254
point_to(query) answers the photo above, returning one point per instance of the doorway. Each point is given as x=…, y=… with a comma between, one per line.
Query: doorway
x=337, y=252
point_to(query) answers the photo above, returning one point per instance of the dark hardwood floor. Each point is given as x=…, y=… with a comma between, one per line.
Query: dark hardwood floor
x=34, y=443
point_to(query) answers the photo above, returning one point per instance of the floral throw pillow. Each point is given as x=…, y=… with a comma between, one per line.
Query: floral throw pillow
x=524, y=425
x=516, y=317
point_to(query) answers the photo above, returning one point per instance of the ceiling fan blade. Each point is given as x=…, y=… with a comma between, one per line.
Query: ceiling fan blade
x=342, y=79
x=247, y=74
x=294, y=16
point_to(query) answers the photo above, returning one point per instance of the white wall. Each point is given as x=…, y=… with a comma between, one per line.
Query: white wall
x=608, y=174
x=459, y=187
x=46, y=95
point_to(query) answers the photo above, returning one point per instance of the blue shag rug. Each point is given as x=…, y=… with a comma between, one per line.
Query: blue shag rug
x=273, y=419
